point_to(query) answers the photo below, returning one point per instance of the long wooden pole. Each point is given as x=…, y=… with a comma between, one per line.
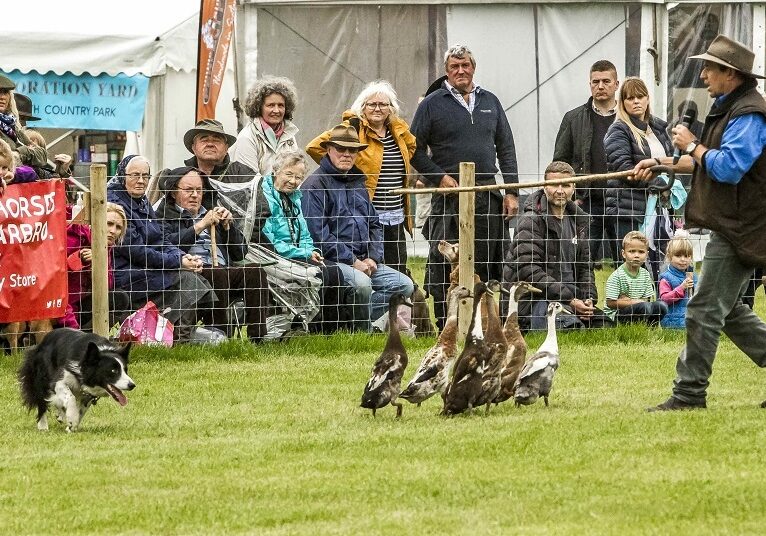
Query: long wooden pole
x=467, y=211
x=100, y=278
x=517, y=186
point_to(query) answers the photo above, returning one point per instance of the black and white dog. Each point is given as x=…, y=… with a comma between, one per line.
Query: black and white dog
x=72, y=370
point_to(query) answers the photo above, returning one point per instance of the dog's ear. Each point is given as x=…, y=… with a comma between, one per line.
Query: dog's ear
x=125, y=350
x=92, y=354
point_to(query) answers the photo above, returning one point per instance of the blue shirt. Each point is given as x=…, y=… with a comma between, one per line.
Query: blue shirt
x=742, y=143
x=204, y=245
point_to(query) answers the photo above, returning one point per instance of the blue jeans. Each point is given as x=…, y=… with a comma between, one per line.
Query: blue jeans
x=649, y=312
x=369, y=296
x=716, y=308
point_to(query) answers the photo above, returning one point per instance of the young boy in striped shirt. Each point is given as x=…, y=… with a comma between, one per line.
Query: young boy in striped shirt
x=630, y=293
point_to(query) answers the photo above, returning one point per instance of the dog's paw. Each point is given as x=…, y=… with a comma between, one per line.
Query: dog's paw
x=42, y=424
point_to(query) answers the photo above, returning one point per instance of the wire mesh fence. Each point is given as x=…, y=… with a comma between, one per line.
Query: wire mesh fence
x=240, y=258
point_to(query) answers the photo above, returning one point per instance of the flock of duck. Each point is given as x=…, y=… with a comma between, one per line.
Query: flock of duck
x=493, y=366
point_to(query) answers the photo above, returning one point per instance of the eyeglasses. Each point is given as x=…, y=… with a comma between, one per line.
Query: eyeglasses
x=290, y=175
x=342, y=150
x=373, y=105
x=138, y=176
x=190, y=191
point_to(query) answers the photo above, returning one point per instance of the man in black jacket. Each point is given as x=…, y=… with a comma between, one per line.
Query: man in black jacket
x=189, y=225
x=462, y=122
x=550, y=250
x=580, y=143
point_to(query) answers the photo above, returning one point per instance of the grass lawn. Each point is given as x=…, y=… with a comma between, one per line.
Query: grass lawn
x=270, y=440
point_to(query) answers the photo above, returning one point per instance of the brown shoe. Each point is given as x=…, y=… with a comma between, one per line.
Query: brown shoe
x=674, y=404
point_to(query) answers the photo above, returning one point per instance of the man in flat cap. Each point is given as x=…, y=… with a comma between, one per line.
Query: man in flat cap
x=345, y=227
x=727, y=196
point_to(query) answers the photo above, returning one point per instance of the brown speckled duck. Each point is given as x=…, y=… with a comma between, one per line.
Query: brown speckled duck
x=466, y=379
x=497, y=347
x=433, y=373
x=386, y=379
x=536, y=378
x=517, y=346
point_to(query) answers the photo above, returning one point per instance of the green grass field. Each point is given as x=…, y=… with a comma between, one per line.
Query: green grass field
x=270, y=440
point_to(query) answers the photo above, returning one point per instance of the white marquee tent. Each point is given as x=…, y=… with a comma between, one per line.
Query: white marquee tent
x=155, y=39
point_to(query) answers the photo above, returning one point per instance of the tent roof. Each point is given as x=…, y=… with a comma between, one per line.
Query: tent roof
x=93, y=36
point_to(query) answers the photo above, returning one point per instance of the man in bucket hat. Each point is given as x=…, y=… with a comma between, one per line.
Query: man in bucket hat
x=727, y=196
x=210, y=144
x=345, y=227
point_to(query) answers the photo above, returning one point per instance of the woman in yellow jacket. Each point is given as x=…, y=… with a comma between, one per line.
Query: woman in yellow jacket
x=385, y=162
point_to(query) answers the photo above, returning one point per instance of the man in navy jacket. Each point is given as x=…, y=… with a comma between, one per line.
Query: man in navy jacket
x=345, y=227
x=461, y=122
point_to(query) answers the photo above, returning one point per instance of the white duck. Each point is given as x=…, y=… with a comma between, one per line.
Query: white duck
x=432, y=375
x=517, y=346
x=536, y=378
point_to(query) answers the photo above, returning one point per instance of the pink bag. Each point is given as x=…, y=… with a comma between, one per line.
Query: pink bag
x=147, y=326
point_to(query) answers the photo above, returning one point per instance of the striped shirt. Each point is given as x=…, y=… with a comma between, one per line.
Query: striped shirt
x=623, y=284
x=391, y=176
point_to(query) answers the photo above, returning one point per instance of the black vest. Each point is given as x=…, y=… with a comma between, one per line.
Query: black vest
x=734, y=210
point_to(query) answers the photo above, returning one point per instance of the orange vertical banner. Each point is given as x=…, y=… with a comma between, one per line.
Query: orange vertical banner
x=216, y=22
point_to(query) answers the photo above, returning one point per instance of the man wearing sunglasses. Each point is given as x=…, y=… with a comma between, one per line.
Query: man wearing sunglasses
x=345, y=227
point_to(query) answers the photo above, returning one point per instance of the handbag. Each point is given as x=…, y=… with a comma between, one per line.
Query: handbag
x=147, y=326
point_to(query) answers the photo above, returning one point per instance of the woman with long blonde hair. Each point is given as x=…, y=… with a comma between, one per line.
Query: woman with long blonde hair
x=634, y=136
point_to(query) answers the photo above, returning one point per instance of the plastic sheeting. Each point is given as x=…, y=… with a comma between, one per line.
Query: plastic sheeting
x=692, y=28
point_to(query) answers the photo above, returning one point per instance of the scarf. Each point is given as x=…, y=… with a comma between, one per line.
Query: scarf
x=271, y=134
x=291, y=213
x=8, y=126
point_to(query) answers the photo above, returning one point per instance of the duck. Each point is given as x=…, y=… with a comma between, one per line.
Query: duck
x=517, y=346
x=386, y=378
x=466, y=379
x=432, y=375
x=536, y=378
x=497, y=347
x=421, y=314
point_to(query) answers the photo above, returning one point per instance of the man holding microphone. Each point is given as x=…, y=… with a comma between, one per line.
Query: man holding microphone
x=727, y=196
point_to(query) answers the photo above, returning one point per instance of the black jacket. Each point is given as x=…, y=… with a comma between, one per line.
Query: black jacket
x=627, y=199
x=178, y=229
x=574, y=138
x=534, y=255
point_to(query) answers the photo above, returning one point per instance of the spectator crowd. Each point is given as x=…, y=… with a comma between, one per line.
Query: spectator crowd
x=242, y=231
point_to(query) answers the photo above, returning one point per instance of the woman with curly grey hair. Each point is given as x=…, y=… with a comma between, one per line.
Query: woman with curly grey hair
x=270, y=105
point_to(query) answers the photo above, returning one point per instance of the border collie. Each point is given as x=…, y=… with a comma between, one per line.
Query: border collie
x=72, y=370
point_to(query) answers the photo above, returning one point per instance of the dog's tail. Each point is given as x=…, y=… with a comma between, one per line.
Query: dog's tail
x=34, y=380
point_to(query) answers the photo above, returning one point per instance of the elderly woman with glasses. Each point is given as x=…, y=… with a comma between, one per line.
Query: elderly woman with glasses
x=282, y=228
x=146, y=265
x=191, y=226
x=385, y=162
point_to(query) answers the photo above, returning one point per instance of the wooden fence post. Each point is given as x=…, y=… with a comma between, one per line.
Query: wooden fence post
x=466, y=210
x=100, y=278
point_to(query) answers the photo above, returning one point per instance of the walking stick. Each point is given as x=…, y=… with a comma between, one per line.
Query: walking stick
x=574, y=180
x=213, y=246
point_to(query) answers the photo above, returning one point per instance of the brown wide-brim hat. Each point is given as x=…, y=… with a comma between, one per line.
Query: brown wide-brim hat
x=344, y=136
x=207, y=126
x=6, y=83
x=731, y=54
x=24, y=105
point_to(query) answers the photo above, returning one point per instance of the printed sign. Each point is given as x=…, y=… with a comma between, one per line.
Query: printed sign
x=216, y=21
x=33, y=276
x=101, y=102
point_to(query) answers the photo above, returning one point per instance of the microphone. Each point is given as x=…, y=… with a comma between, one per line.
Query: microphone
x=690, y=116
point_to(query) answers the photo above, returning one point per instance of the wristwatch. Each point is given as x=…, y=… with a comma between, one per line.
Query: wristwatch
x=693, y=145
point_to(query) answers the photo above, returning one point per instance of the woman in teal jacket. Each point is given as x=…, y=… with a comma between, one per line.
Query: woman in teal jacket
x=283, y=229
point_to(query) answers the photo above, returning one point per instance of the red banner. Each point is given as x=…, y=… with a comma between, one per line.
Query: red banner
x=33, y=277
x=216, y=22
